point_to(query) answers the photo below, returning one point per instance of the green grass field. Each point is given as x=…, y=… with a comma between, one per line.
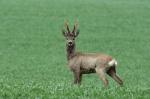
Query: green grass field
x=33, y=61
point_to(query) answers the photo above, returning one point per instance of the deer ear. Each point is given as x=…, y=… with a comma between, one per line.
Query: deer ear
x=64, y=33
x=77, y=33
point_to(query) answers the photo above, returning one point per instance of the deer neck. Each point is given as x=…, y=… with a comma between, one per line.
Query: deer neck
x=70, y=51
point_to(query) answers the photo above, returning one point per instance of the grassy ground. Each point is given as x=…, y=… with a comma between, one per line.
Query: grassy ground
x=32, y=48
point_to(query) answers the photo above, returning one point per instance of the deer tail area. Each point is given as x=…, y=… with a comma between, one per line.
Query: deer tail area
x=113, y=62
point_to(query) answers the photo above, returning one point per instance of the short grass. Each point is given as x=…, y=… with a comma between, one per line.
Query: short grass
x=32, y=48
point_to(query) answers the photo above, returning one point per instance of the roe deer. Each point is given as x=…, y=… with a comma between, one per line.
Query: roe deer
x=86, y=63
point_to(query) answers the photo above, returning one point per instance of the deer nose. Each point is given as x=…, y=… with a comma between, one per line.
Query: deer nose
x=70, y=42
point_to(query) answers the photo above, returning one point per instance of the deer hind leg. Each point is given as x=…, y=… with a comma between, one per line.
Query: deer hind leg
x=112, y=73
x=77, y=77
x=101, y=74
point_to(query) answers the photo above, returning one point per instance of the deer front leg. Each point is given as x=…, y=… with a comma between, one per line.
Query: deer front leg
x=77, y=77
x=101, y=74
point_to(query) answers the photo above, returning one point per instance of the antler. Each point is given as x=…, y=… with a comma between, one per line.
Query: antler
x=75, y=27
x=67, y=27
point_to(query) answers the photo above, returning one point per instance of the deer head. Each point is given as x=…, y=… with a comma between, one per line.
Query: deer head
x=70, y=35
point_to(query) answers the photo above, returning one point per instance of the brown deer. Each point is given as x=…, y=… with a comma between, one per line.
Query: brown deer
x=86, y=63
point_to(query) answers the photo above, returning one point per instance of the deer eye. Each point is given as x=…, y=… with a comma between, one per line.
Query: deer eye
x=73, y=39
